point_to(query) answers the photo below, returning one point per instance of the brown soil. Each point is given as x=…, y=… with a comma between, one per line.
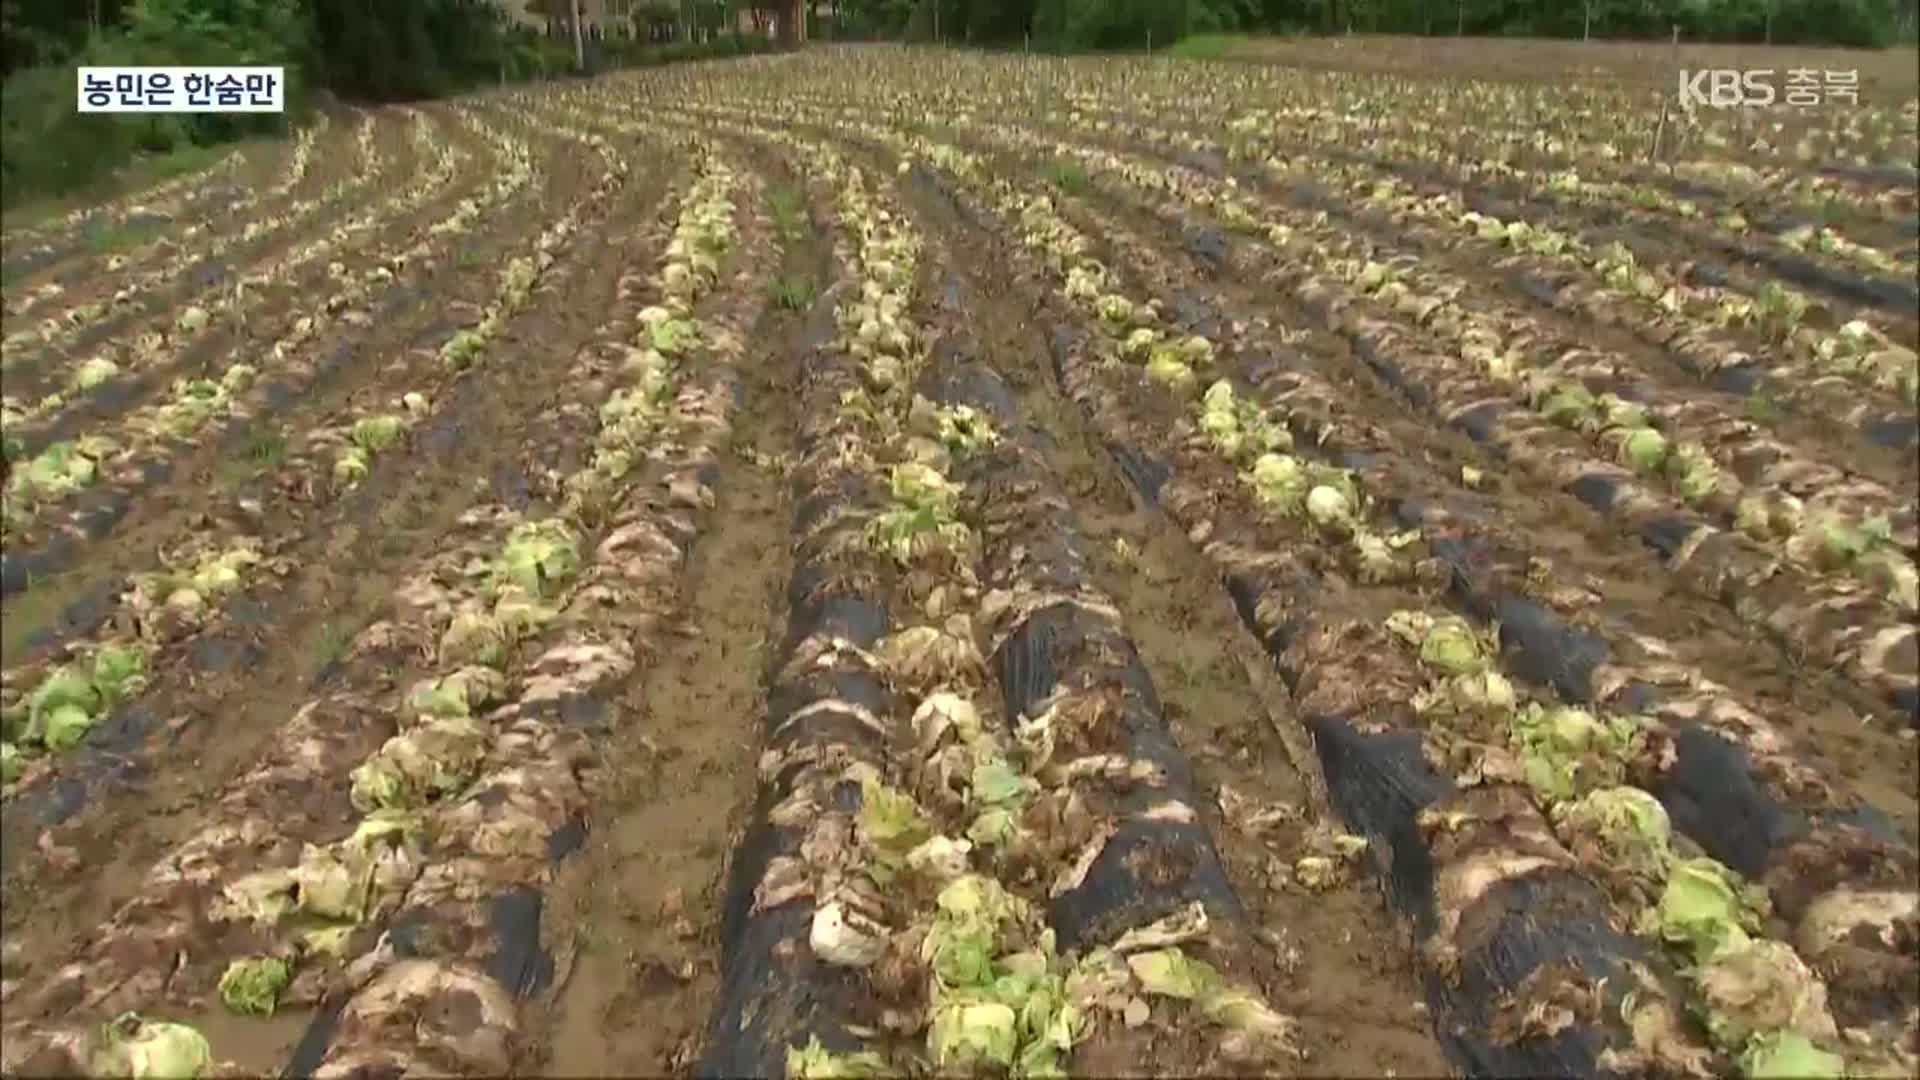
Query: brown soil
x=632, y=919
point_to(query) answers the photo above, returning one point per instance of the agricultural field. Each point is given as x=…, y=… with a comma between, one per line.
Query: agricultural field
x=876, y=561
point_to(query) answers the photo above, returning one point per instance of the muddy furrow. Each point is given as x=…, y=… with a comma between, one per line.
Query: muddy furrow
x=1850, y=273
x=1308, y=618
x=1587, y=576
x=921, y=945
x=83, y=322
x=31, y=249
x=1870, y=361
x=66, y=291
x=210, y=316
x=1823, y=618
x=479, y=919
x=544, y=636
x=634, y=920
x=205, y=418
x=264, y=569
x=1414, y=252
x=1308, y=923
x=297, y=464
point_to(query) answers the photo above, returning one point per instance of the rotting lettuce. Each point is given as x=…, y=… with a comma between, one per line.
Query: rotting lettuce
x=1169, y=368
x=327, y=941
x=922, y=514
x=458, y=352
x=475, y=637
x=1629, y=825
x=672, y=337
x=219, y=574
x=1692, y=471
x=1789, y=1055
x=995, y=782
x=1761, y=986
x=459, y=693
x=1705, y=908
x=65, y=727
x=973, y=1033
x=252, y=986
x=890, y=821
x=843, y=936
x=1171, y=973
x=62, y=708
x=1567, y=750
x=966, y=430
x=1288, y=487
x=940, y=858
x=1644, y=451
x=1447, y=643
x=131, y=1047
x=61, y=468
x=1328, y=506
x=93, y=372
x=539, y=556
x=815, y=1062
x=350, y=467
x=993, y=827
x=1279, y=481
x=374, y=434
x=433, y=759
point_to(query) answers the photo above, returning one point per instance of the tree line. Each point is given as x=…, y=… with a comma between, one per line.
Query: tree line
x=1131, y=24
x=391, y=50
x=364, y=50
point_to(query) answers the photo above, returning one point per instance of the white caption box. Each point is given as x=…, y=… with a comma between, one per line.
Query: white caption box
x=182, y=89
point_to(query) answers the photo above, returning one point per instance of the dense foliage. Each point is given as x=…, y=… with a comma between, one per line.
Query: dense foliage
x=1131, y=23
x=387, y=50
x=373, y=50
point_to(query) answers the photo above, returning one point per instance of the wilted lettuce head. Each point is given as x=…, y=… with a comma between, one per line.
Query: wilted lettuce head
x=890, y=821
x=149, y=1050
x=1630, y=825
x=252, y=986
x=1704, y=908
x=1168, y=367
x=475, y=637
x=1789, y=1055
x=376, y=433
x=539, y=556
x=973, y=1033
x=1760, y=986
x=815, y=1062
x=916, y=484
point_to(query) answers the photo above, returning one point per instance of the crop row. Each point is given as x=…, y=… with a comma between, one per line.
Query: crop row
x=451, y=796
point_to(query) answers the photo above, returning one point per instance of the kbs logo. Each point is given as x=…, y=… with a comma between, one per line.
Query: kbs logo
x=1725, y=88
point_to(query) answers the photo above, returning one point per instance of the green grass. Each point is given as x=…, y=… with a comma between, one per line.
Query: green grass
x=105, y=239
x=1206, y=46
x=793, y=292
x=789, y=207
x=1762, y=409
x=267, y=449
x=142, y=172
x=331, y=643
x=1067, y=176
